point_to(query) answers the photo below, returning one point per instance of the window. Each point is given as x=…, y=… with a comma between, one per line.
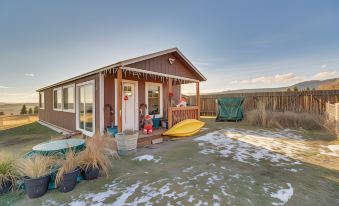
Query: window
x=42, y=100
x=154, y=99
x=68, y=98
x=57, y=105
x=86, y=108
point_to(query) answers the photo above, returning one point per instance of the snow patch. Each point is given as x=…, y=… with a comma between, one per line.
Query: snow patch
x=283, y=195
x=147, y=157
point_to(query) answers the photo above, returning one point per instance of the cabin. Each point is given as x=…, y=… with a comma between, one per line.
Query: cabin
x=120, y=94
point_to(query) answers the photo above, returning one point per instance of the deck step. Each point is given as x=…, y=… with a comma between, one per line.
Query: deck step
x=157, y=141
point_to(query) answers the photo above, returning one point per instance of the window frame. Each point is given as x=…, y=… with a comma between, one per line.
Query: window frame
x=77, y=113
x=60, y=90
x=63, y=99
x=161, y=112
x=43, y=94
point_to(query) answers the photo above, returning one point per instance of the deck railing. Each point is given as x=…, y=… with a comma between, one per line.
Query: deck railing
x=177, y=114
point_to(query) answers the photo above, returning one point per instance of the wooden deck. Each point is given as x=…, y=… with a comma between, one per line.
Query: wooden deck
x=146, y=139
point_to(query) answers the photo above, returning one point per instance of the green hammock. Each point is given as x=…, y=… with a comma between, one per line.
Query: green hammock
x=230, y=109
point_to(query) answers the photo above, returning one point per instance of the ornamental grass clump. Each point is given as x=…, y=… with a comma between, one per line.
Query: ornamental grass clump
x=36, y=166
x=97, y=154
x=66, y=165
x=8, y=172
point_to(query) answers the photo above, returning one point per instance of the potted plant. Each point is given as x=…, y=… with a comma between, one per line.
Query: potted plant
x=8, y=173
x=95, y=157
x=36, y=171
x=127, y=141
x=68, y=172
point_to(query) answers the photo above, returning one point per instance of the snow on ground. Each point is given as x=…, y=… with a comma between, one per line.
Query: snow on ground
x=283, y=195
x=249, y=146
x=217, y=185
x=332, y=150
x=147, y=157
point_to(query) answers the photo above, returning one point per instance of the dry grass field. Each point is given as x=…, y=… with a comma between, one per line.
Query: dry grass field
x=14, y=108
x=8, y=122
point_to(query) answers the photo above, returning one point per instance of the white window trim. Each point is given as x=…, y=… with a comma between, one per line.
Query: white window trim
x=57, y=89
x=64, y=87
x=85, y=132
x=161, y=98
x=136, y=91
x=40, y=100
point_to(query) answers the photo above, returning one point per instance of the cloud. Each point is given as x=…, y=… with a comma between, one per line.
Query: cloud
x=324, y=66
x=278, y=78
x=325, y=75
x=3, y=87
x=29, y=75
x=201, y=63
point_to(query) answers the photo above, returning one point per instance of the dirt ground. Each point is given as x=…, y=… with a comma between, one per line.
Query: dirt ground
x=225, y=164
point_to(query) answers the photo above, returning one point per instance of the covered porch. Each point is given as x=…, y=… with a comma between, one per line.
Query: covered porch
x=128, y=98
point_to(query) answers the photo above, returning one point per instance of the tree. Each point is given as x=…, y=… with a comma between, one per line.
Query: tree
x=2, y=113
x=36, y=110
x=23, y=109
x=295, y=89
x=30, y=111
x=308, y=89
x=288, y=89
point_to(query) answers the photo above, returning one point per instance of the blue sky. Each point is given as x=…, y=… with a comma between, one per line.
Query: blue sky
x=236, y=44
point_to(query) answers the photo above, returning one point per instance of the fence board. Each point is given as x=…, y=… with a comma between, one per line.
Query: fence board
x=301, y=101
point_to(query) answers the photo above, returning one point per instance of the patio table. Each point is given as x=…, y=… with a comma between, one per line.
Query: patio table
x=59, y=146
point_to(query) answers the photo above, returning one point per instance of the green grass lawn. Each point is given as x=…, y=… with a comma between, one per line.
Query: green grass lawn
x=20, y=140
x=225, y=164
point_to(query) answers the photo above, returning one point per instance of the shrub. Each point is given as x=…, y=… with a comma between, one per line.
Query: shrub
x=97, y=152
x=67, y=165
x=8, y=170
x=36, y=166
x=274, y=119
x=23, y=109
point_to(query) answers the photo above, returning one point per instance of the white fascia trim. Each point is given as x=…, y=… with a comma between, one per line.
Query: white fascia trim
x=159, y=74
x=60, y=90
x=161, y=98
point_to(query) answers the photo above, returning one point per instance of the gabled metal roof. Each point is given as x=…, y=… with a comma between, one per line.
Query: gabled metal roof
x=131, y=61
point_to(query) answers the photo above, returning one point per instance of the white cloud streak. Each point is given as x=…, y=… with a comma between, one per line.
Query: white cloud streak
x=278, y=78
x=325, y=75
x=3, y=87
x=29, y=75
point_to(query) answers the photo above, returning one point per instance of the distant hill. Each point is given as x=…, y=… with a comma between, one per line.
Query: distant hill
x=313, y=83
x=301, y=86
x=14, y=108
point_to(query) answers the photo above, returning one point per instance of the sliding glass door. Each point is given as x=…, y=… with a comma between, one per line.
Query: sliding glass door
x=86, y=108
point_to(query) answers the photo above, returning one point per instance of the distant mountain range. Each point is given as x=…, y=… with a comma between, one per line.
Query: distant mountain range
x=312, y=84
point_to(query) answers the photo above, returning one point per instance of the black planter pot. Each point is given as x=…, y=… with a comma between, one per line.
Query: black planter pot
x=37, y=187
x=5, y=187
x=90, y=173
x=69, y=181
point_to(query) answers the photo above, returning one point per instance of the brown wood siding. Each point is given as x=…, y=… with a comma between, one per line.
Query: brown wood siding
x=161, y=64
x=67, y=120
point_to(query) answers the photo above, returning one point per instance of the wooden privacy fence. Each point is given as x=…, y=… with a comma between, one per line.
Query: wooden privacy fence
x=177, y=114
x=301, y=101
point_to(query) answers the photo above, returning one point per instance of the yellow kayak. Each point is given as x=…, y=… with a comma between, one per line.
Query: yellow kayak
x=185, y=128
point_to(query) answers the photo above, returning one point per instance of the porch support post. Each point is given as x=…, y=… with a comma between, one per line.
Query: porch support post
x=169, y=98
x=119, y=96
x=198, y=98
x=170, y=91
